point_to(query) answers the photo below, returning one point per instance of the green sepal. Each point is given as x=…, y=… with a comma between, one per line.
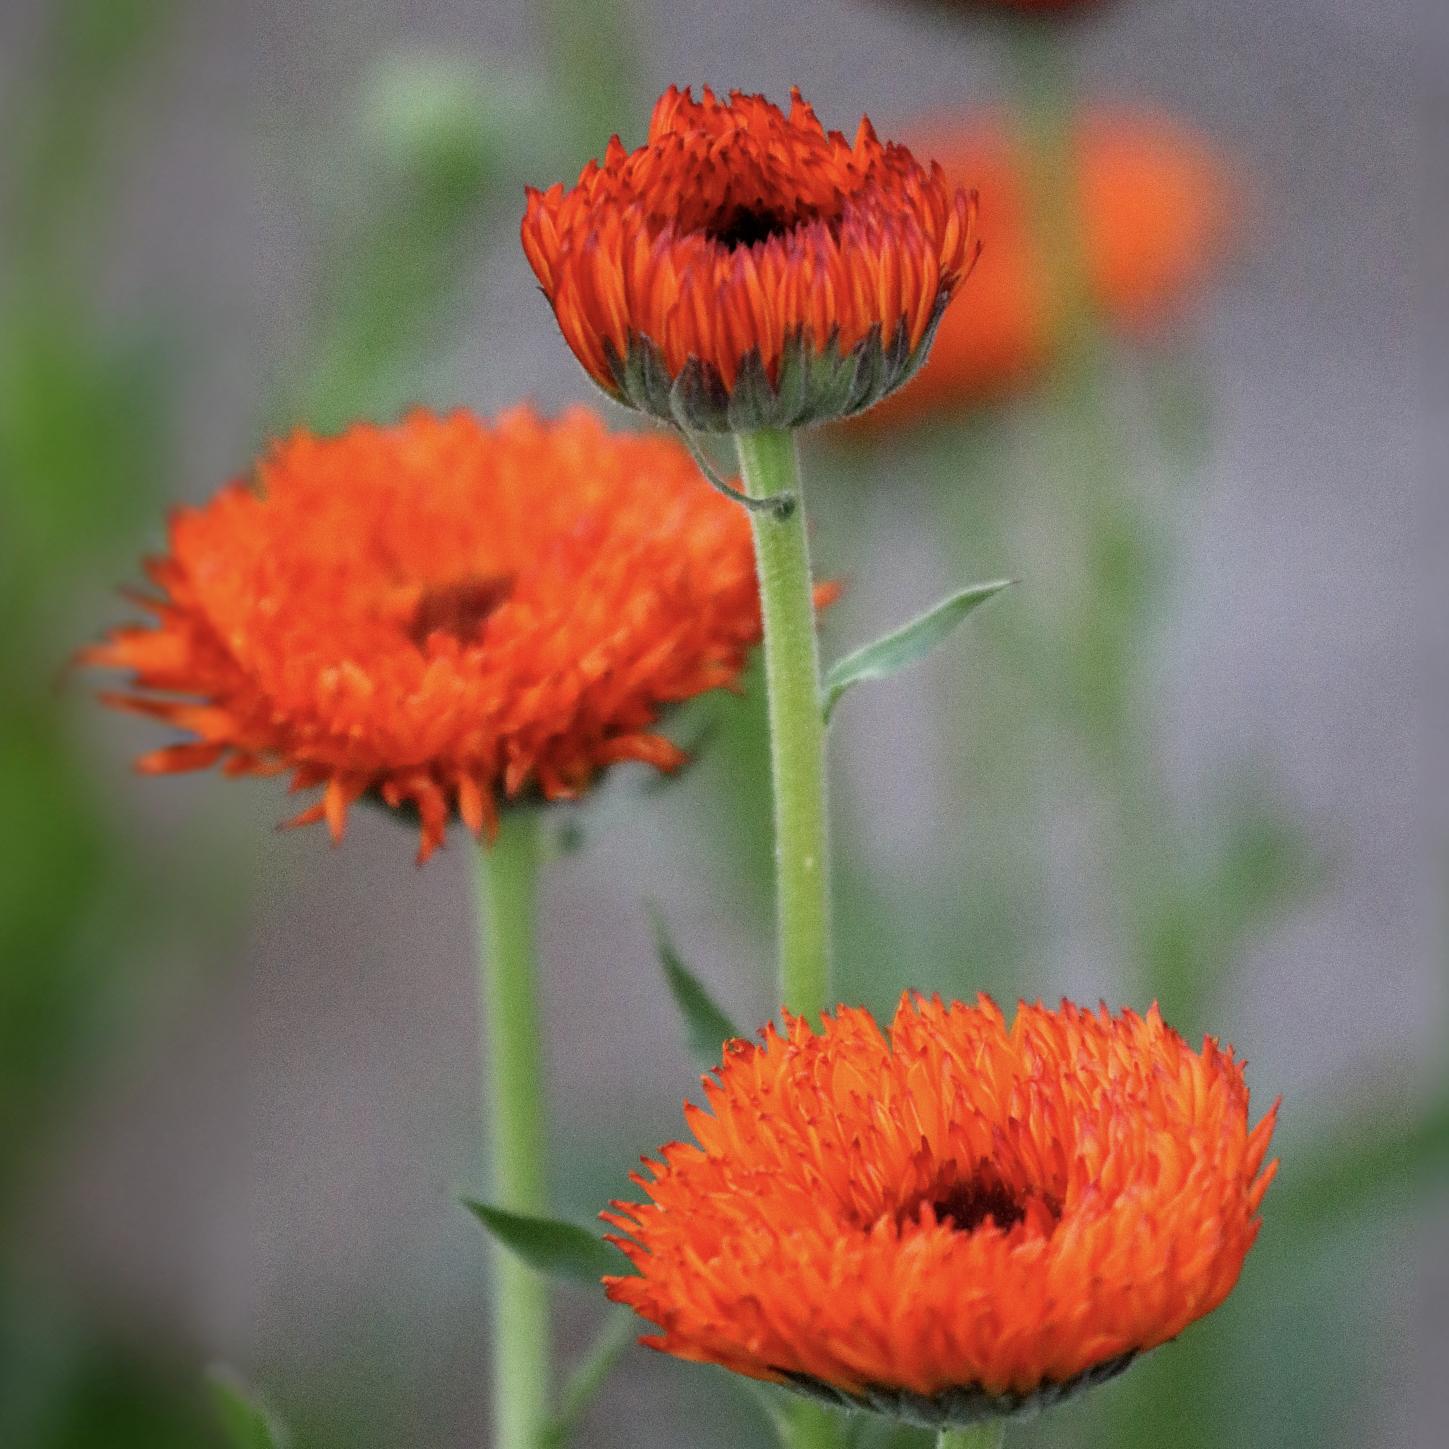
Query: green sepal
x=551, y=1247
x=816, y=382
x=706, y=1024
x=245, y=1422
x=906, y=645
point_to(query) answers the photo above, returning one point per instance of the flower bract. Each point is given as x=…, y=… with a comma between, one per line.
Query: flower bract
x=444, y=615
x=745, y=268
x=955, y=1218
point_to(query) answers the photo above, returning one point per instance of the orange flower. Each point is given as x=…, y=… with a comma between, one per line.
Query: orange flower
x=1155, y=207
x=442, y=614
x=959, y=1220
x=746, y=269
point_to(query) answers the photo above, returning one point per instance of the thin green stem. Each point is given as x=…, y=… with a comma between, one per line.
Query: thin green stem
x=990, y=1435
x=797, y=732
x=514, y=1109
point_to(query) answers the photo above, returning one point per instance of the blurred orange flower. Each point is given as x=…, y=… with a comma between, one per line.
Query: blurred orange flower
x=1156, y=204
x=442, y=614
x=958, y=1220
x=745, y=268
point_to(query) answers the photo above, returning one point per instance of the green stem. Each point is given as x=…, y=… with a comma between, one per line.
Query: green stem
x=797, y=732
x=514, y=1109
x=989, y=1435
x=797, y=754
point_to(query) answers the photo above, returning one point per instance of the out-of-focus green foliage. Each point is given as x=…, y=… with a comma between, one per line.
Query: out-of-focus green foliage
x=82, y=458
x=243, y=1417
x=436, y=143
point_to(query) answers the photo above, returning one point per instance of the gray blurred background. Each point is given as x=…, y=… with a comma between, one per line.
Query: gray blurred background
x=260, y=1143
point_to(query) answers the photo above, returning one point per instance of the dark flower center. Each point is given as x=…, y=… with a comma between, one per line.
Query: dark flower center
x=460, y=608
x=746, y=226
x=966, y=1203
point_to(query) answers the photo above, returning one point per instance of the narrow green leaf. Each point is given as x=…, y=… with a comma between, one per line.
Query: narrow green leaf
x=244, y=1421
x=707, y=1025
x=557, y=1249
x=911, y=642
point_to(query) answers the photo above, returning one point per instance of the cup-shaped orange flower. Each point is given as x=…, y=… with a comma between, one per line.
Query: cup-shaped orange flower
x=1156, y=204
x=956, y=1220
x=745, y=268
x=444, y=614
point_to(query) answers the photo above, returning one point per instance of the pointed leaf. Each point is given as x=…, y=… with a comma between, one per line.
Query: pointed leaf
x=557, y=1249
x=906, y=645
x=707, y=1025
x=245, y=1423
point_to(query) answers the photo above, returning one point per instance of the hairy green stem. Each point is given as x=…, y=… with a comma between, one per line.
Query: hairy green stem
x=514, y=1109
x=797, y=755
x=797, y=732
x=989, y=1435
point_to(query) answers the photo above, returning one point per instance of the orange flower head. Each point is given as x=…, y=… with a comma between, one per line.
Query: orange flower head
x=958, y=1219
x=1155, y=205
x=443, y=614
x=747, y=269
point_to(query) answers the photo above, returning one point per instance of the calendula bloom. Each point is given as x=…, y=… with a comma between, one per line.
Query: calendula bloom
x=747, y=269
x=1156, y=204
x=442, y=615
x=958, y=1219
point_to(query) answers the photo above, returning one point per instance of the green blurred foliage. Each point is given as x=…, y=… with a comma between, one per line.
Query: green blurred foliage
x=437, y=142
x=82, y=460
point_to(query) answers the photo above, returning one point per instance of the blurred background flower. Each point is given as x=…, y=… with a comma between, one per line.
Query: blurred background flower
x=1158, y=208
x=235, y=1071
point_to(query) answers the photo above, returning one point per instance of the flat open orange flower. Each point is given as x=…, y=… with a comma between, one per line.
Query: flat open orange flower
x=958, y=1220
x=442, y=614
x=746, y=269
x=1156, y=207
